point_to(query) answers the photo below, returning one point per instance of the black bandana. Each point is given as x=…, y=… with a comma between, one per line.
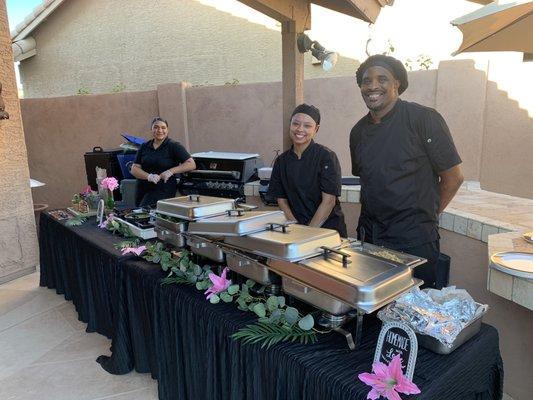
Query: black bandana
x=391, y=64
x=310, y=110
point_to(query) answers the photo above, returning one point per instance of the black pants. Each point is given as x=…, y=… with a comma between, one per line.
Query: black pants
x=428, y=271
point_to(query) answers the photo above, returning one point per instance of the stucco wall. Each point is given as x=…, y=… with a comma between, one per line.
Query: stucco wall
x=18, y=245
x=508, y=141
x=98, y=44
x=491, y=131
x=60, y=130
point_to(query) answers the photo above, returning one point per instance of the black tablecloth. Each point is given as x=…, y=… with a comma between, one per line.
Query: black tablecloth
x=81, y=263
x=183, y=340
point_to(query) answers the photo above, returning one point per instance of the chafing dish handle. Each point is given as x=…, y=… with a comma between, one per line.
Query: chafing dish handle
x=246, y=207
x=329, y=250
x=194, y=197
x=273, y=225
x=238, y=213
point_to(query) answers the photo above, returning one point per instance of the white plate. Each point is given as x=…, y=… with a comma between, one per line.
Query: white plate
x=515, y=263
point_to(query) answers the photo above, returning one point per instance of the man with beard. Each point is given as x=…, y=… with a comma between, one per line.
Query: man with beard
x=408, y=165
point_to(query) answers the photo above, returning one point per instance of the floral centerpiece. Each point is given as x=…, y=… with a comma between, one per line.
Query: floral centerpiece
x=110, y=184
x=388, y=380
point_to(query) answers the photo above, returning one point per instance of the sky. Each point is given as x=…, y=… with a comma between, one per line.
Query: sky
x=17, y=10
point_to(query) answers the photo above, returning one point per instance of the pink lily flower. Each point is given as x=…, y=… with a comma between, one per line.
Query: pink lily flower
x=134, y=250
x=103, y=224
x=220, y=283
x=109, y=183
x=388, y=380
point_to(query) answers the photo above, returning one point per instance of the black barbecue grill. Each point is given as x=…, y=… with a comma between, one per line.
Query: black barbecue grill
x=220, y=174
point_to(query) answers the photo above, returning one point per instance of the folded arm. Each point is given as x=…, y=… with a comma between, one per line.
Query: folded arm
x=450, y=182
x=324, y=210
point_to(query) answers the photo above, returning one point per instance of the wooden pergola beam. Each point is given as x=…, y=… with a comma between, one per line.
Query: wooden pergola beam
x=284, y=10
x=366, y=10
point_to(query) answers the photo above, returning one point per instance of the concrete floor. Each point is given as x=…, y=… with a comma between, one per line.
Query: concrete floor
x=45, y=353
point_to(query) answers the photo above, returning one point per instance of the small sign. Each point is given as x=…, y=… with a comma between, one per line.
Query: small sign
x=397, y=338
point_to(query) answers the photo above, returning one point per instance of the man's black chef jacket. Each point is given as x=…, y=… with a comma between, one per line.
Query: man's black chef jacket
x=302, y=181
x=398, y=161
x=155, y=161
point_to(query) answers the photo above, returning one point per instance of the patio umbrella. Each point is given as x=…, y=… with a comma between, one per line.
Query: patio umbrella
x=498, y=27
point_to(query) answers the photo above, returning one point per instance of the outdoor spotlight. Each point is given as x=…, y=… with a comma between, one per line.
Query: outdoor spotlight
x=328, y=59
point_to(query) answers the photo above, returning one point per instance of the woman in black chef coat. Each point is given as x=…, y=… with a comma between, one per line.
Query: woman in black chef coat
x=156, y=163
x=306, y=179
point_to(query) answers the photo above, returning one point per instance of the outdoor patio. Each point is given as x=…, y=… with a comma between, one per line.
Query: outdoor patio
x=45, y=352
x=183, y=344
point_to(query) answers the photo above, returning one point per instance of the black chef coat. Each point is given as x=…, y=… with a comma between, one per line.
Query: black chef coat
x=302, y=181
x=155, y=161
x=398, y=160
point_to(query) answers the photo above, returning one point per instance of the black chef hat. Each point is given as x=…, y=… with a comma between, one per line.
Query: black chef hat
x=310, y=110
x=394, y=66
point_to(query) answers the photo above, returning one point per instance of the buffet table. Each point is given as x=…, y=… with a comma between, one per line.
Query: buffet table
x=184, y=341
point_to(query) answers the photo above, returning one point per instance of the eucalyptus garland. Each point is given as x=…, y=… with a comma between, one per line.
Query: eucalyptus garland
x=76, y=221
x=277, y=322
x=118, y=227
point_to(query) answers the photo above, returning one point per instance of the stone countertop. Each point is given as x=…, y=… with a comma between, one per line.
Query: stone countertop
x=518, y=290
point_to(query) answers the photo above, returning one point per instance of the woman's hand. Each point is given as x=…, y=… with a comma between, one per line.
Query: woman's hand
x=166, y=175
x=154, y=178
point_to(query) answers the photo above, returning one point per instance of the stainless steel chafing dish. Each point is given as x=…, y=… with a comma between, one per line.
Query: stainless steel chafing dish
x=190, y=208
x=287, y=242
x=346, y=277
x=193, y=207
x=170, y=231
x=237, y=222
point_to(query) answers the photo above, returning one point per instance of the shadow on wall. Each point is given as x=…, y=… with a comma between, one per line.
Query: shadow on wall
x=492, y=133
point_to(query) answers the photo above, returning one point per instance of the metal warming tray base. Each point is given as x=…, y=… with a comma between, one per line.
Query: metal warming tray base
x=251, y=268
x=237, y=223
x=171, y=237
x=205, y=247
x=287, y=242
x=358, y=279
x=194, y=207
x=317, y=298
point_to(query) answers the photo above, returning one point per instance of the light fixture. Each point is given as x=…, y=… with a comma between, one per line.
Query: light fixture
x=328, y=59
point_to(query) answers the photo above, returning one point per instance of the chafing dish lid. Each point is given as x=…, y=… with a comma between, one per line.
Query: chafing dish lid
x=291, y=242
x=240, y=222
x=359, y=268
x=194, y=206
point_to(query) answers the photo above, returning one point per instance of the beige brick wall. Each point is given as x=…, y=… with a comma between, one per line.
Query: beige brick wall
x=98, y=44
x=18, y=246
